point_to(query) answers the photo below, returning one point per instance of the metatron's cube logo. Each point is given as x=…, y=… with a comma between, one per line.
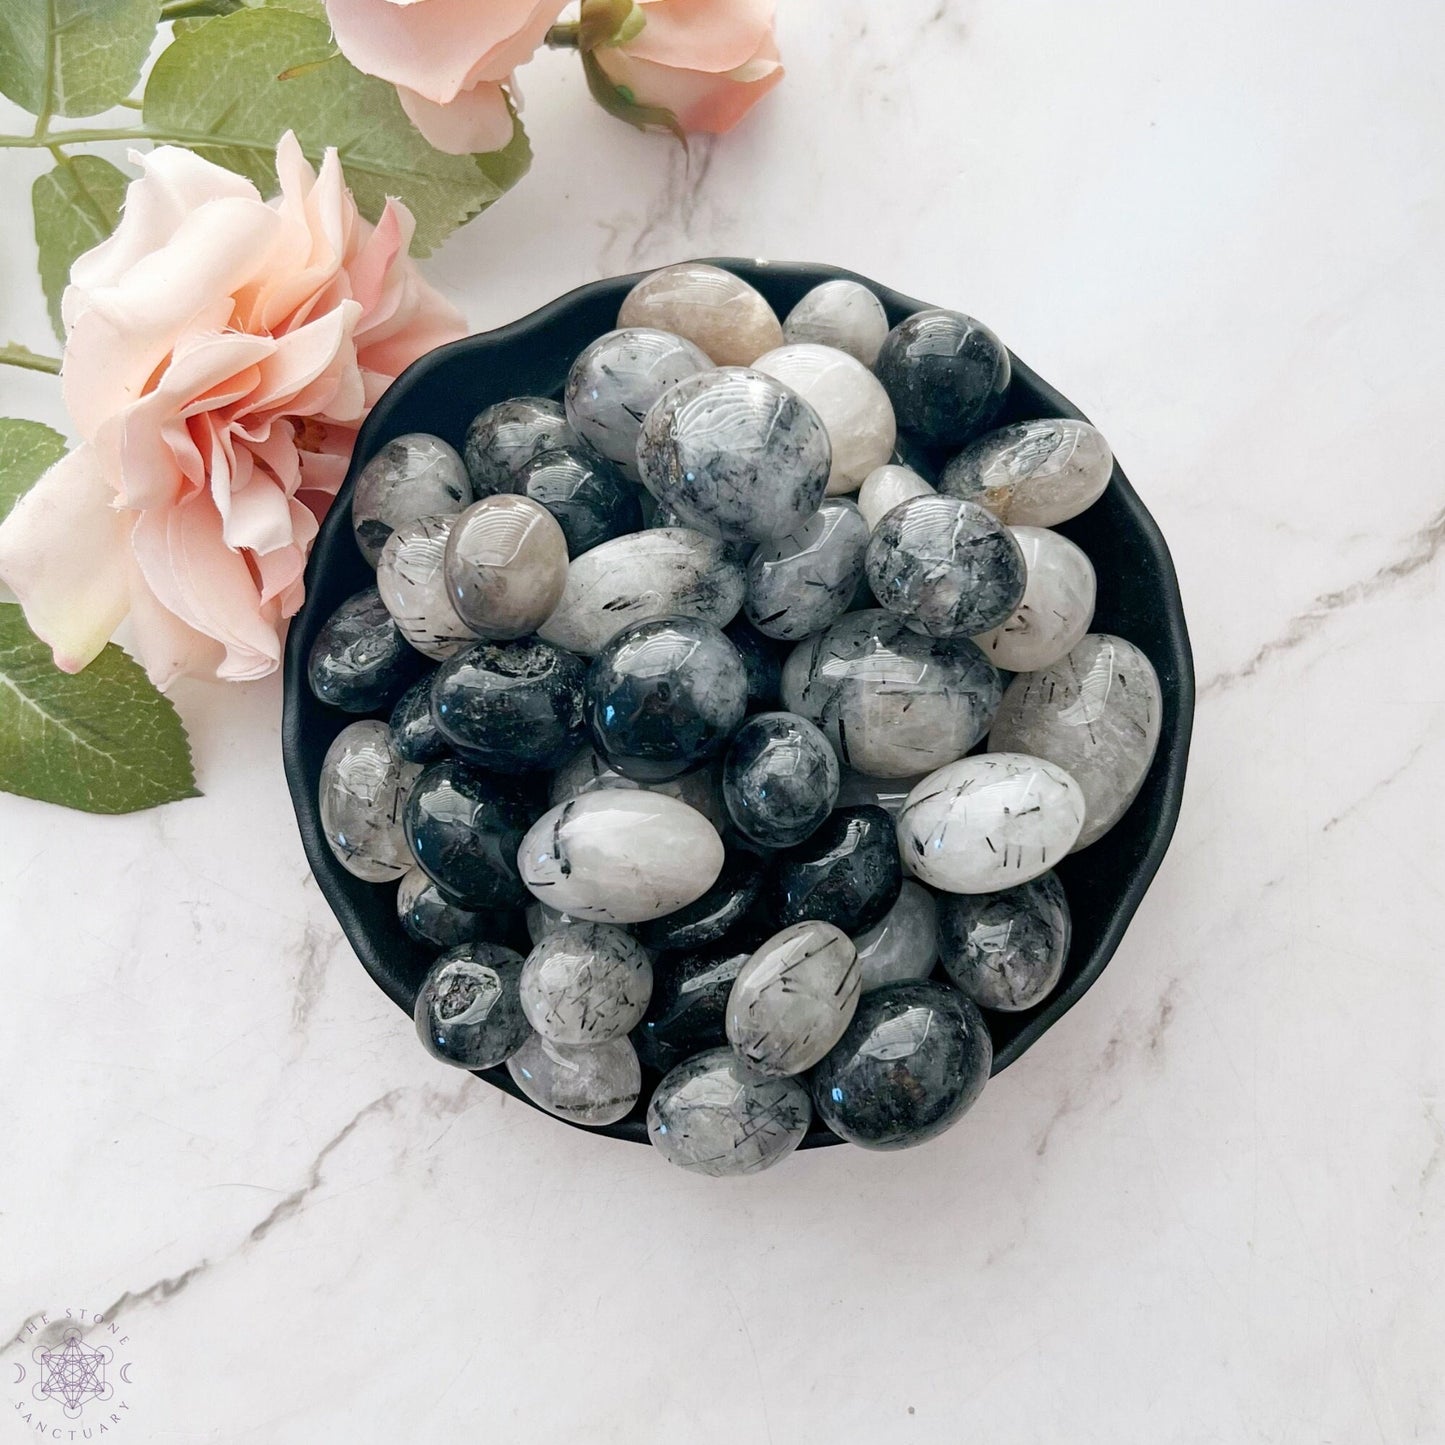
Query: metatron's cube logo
x=73, y=1374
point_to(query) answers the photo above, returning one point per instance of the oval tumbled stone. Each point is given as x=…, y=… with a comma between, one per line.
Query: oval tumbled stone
x=620, y=857
x=468, y=1013
x=793, y=998
x=593, y=1085
x=715, y=310
x=989, y=822
x=585, y=983
x=1056, y=609
x=714, y=1115
x=1096, y=713
x=1006, y=950
x=1033, y=473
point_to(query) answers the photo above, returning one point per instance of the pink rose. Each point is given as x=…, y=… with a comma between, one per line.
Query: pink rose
x=449, y=59
x=707, y=61
x=221, y=352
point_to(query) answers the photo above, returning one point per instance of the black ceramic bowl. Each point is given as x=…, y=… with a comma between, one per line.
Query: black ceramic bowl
x=1138, y=599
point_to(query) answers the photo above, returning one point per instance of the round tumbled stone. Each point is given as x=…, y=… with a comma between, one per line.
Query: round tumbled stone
x=615, y=382
x=718, y=312
x=915, y=1057
x=780, y=779
x=468, y=1009
x=1006, y=950
x=1095, y=713
x=905, y=944
x=428, y=916
x=887, y=487
x=947, y=375
x=590, y=503
x=511, y=706
x=664, y=696
x=360, y=662
x=848, y=398
x=506, y=566
x=714, y=1115
x=464, y=827
x=667, y=571
x=847, y=873
x=504, y=437
x=948, y=568
x=594, y=1085
x=620, y=857
x=585, y=983
x=1033, y=473
x=893, y=703
x=1055, y=610
x=793, y=998
x=804, y=581
x=416, y=475
x=841, y=314
x=361, y=795
x=410, y=580
x=989, y=822
x=735, y=454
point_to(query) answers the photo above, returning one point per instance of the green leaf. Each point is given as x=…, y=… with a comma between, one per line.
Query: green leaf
x=27, y=450
x=73, y=57
x=103, y=740
x=231, y=88
x=76, y=207
x=13, y=354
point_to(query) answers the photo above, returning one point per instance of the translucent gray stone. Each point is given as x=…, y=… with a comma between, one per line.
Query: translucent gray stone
x=428, y=916
x=506, y=566
x=714, y=1115
x=887, y=487
x=905, y=944
x=715, y=310
x=843, y=314
x=989, y=822
x=664, y=572
x=1096, y=713
x=360, y=662
x=594, y=1085
x=735, y=454
x=589, y=501
x=361, y=796
x=780, y=779
x=410, y=579
x=849, y=400
x=586, y=772
x=801, y=583
x=413, y=728
x=664, y=696
x=793, y=998
x=890, y=794
x=1006, y=950
x=620, y=857
x=846, y=873
x=913, y=1060
x=1033, y=473
x=689, y=1005
x=948, y=568
x=616, y=381
x=469, y=1010
x=1056, y=609
x=947, y=374
x=894, y=704
x=728, y=909
x=416, y=475
x=504, y=437
x=585, y=983
x=542, y=920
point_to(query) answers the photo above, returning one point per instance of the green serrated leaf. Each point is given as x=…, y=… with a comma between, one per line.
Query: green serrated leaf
x=76, y=207
x=103, y=740
x=73, y=57
x=28, y=449
x=231, y=88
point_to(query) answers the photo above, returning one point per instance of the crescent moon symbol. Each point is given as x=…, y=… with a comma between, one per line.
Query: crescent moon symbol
x=19, y=1373
x=123, y=1374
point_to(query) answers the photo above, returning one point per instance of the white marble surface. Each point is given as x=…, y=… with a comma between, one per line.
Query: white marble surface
x=1210, y=1206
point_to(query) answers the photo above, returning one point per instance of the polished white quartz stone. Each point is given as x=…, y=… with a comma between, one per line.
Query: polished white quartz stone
x=850, y=400
x=412, y=583
x=585, y=983
x=989, y=822
x=842, y=314
x=718, y=312
x=793, y=998
x=620, y=857
x=905, y=943
x=1057, y=606
x=887, y=487
x=1033, y=473
x=1096, y=713
x=658, y=573
x=593, y=1085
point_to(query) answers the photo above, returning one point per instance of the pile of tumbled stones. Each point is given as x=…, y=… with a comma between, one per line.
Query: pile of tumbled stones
x=683, y=677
